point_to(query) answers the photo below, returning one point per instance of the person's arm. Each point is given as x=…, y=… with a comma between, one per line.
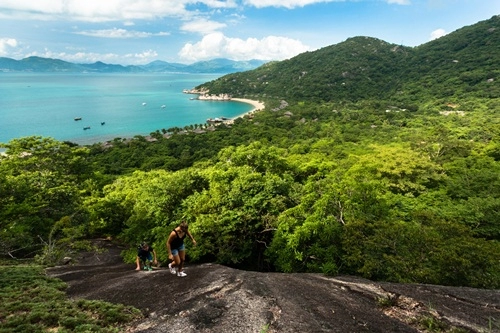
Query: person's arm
x=154, y=257
x=191, y=236
x=169, y=240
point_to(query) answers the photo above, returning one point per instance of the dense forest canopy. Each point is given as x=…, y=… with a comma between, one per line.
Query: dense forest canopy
x=370, y=159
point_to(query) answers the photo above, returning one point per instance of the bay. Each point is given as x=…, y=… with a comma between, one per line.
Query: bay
x=128, y=105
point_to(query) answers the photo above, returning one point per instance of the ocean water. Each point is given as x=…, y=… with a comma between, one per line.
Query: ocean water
x=128, y=104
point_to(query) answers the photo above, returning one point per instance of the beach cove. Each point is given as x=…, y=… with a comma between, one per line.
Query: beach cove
x=109, y=105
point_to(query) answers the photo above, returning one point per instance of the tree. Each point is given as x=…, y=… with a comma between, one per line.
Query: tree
x=236, y=214
x=40, y=183
x=144, y=205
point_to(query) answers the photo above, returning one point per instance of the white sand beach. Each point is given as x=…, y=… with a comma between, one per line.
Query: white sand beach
x=256, y=104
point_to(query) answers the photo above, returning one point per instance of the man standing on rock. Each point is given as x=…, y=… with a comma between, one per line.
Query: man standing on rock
x=176, y=249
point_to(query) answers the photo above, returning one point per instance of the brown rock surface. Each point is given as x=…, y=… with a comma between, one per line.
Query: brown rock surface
x=215, y=298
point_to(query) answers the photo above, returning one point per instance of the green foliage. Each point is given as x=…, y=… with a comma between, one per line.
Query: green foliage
x=475, y=183
x=387, y=301
x=441, y=253
x=308, y=235
x=371, y=159
x=330, y=269
x=40, y=184
x=363, y=68
x=32, y=302
x=64, y=239
x=142, y=205
x=432, y=324
x=235, y=215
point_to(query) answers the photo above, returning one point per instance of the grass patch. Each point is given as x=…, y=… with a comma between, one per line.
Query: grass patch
x=387, y=301
x=33, y=302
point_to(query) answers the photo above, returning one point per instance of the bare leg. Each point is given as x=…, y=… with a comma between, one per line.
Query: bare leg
x=176, y=261
x=182, y=258
x=138, y=263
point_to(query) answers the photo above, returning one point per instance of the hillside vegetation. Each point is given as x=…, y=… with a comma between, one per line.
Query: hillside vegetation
x=364, y=68
x=384, y=163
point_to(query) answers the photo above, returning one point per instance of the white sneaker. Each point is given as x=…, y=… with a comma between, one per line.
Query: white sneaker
x=181, y=274
x=172, y=269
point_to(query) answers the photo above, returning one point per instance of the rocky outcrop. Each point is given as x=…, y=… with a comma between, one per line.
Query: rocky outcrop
x=215, y=298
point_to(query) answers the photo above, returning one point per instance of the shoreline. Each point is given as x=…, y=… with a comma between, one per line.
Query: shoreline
x=257, y=106
x=204, y=96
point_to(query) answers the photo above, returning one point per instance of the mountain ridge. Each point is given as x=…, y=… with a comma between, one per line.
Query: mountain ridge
x=361, y=68
x=46, y=65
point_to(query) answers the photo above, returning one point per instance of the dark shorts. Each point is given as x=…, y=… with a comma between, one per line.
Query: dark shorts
x=149, y=257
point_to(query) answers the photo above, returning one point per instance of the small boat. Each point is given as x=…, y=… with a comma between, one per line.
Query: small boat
x=78, y=118
x=144, y=103
x=86, y=128
x=103, y=122
x=163, y=106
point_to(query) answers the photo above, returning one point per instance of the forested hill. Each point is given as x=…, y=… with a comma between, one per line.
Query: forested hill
x=338, y=180
x=461, y=62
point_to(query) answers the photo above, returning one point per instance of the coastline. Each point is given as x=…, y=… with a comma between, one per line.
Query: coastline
x=204, y=96
x=257, y=106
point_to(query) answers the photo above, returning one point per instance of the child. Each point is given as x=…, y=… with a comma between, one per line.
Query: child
x=144, y=254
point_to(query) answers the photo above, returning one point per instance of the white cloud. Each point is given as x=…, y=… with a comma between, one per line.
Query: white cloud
x=399, y=2
x=120, y=33
x=104, y=10
x=217, y=3
x=290, y=4
x=202, y=26
x=217, y=45
x=142, y=58
x=437, y=33
x=6, y=44
x=95, y=10
x=285, y=3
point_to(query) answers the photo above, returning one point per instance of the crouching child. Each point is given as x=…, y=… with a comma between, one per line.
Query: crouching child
x=147, y=255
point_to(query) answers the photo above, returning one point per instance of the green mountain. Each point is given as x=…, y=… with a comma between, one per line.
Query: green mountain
x=39, y=64
x=465, y=61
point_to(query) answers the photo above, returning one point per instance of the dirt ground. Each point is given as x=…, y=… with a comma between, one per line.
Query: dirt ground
x=215, y=298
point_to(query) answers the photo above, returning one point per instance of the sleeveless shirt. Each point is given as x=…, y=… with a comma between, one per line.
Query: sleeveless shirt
x=177, y=242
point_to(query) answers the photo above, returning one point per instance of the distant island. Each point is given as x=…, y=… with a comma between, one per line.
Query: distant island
x=47, y=65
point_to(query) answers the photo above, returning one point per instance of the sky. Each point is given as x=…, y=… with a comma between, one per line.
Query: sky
x=136, y=32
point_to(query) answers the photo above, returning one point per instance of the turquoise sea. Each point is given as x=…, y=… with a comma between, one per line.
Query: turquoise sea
x=128, y=105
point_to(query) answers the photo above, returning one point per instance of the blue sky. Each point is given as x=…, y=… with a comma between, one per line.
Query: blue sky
x=185, y=31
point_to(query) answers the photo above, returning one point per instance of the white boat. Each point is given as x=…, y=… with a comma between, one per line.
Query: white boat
x=163, y=106
x=144, y=103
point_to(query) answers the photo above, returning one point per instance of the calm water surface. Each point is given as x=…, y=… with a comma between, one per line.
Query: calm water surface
x=128, y=104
